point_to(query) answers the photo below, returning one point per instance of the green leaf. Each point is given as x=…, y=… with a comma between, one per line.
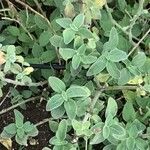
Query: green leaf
x=21, y=141
x=53, y=125
x=112, y=108
x=62, y=130
x=56, y=84
x=71, y=108
x=88, y=59
x=146, y=87
x=41, y=22
x=58, y=112
x=97, y=67
x=37, y=50
x=85, y=33
x=128, y=112
x=117, y=55
x=68, y=35
x=44, y=38
x=106, y=132
x=130, y=142
x=124, y=76
x=122, y=5
x=13, y=30
x=20, y=133
x=139, y=60
x=112, y=69
x=11, y=56
x=54, y=102
x=98, y=138
x=28, y=127
x=76, y=60
x=113, y=38
x=76, y=125
x=18, y=119
x=79, y=20
x=56, y=40
x=67, y=53
x=78, y=91
x=64, y=22
x=11, y=129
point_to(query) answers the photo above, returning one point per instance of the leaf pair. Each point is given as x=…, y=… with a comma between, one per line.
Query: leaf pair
x=65, y=97
x=78, y=56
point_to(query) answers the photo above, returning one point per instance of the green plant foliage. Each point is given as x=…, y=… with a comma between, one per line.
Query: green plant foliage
x=86, y=66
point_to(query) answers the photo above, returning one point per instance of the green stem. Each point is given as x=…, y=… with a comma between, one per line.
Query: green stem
x=18, y=104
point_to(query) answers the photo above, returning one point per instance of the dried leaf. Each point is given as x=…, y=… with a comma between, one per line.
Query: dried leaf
x=2, y=58
x=6, y=143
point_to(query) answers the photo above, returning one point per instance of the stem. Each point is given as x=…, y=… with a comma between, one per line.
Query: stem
x=86, y=143
x=18, y=104
x=42, y=122
x=135, y=18
x=118, y=26
x=23, y=84
x=34, y=11
x=139, y=42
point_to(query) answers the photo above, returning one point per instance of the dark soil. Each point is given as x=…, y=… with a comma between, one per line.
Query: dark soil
x=35, y=113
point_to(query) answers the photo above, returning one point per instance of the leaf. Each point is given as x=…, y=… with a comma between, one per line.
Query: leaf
x=124, y=76
x=112, y=107
x=18, y=119
x=53, y=125
x=98, y=138
x=20, y=133
x=68, y=35
x=122, y=5
x=76, y=60
x=11, y=129
x=22, y=141
x=44, y=38
x=56, y=40
x=62, y=130
x=76, y=125
x=97, y=67
x=78, y=91
x=13, y=30
x=128, y=112
x=6, y=142
x=54, y=102
x=28, y=127
x=2, y=58
x=64, y=22
x=85, y=33
x=58, y=112
x=56, y=84
x=37, y=50
x=99, y=3
x=117, y=55
x=79, y=20
x=112, y=69
x=40, y=22
x=130, y=142
x=106, y=132
x=71, y=108
x=67, y=53
x=113, y=38
x=139, y=60
x=146, y=87
x=88, y=59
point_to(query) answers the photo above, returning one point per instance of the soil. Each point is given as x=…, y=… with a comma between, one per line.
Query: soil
x=34, y=113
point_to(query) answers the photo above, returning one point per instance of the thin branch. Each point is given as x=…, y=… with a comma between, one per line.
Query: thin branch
x=5, y=9
x=135, y=18
x=34, y=11
x=42, y=122
x=18, y=104
x=118, y=26
x=23, y=84
x=145, y=35
x=7, y=95
x=6, y=18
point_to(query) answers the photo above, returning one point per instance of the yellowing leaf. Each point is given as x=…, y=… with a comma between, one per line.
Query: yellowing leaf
x=6, y=142
x=28, y=70
x=2, y=58
x=141, y=92
x=102, y=77
x=20, y=59
x=136, y=80
x=100, y=3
